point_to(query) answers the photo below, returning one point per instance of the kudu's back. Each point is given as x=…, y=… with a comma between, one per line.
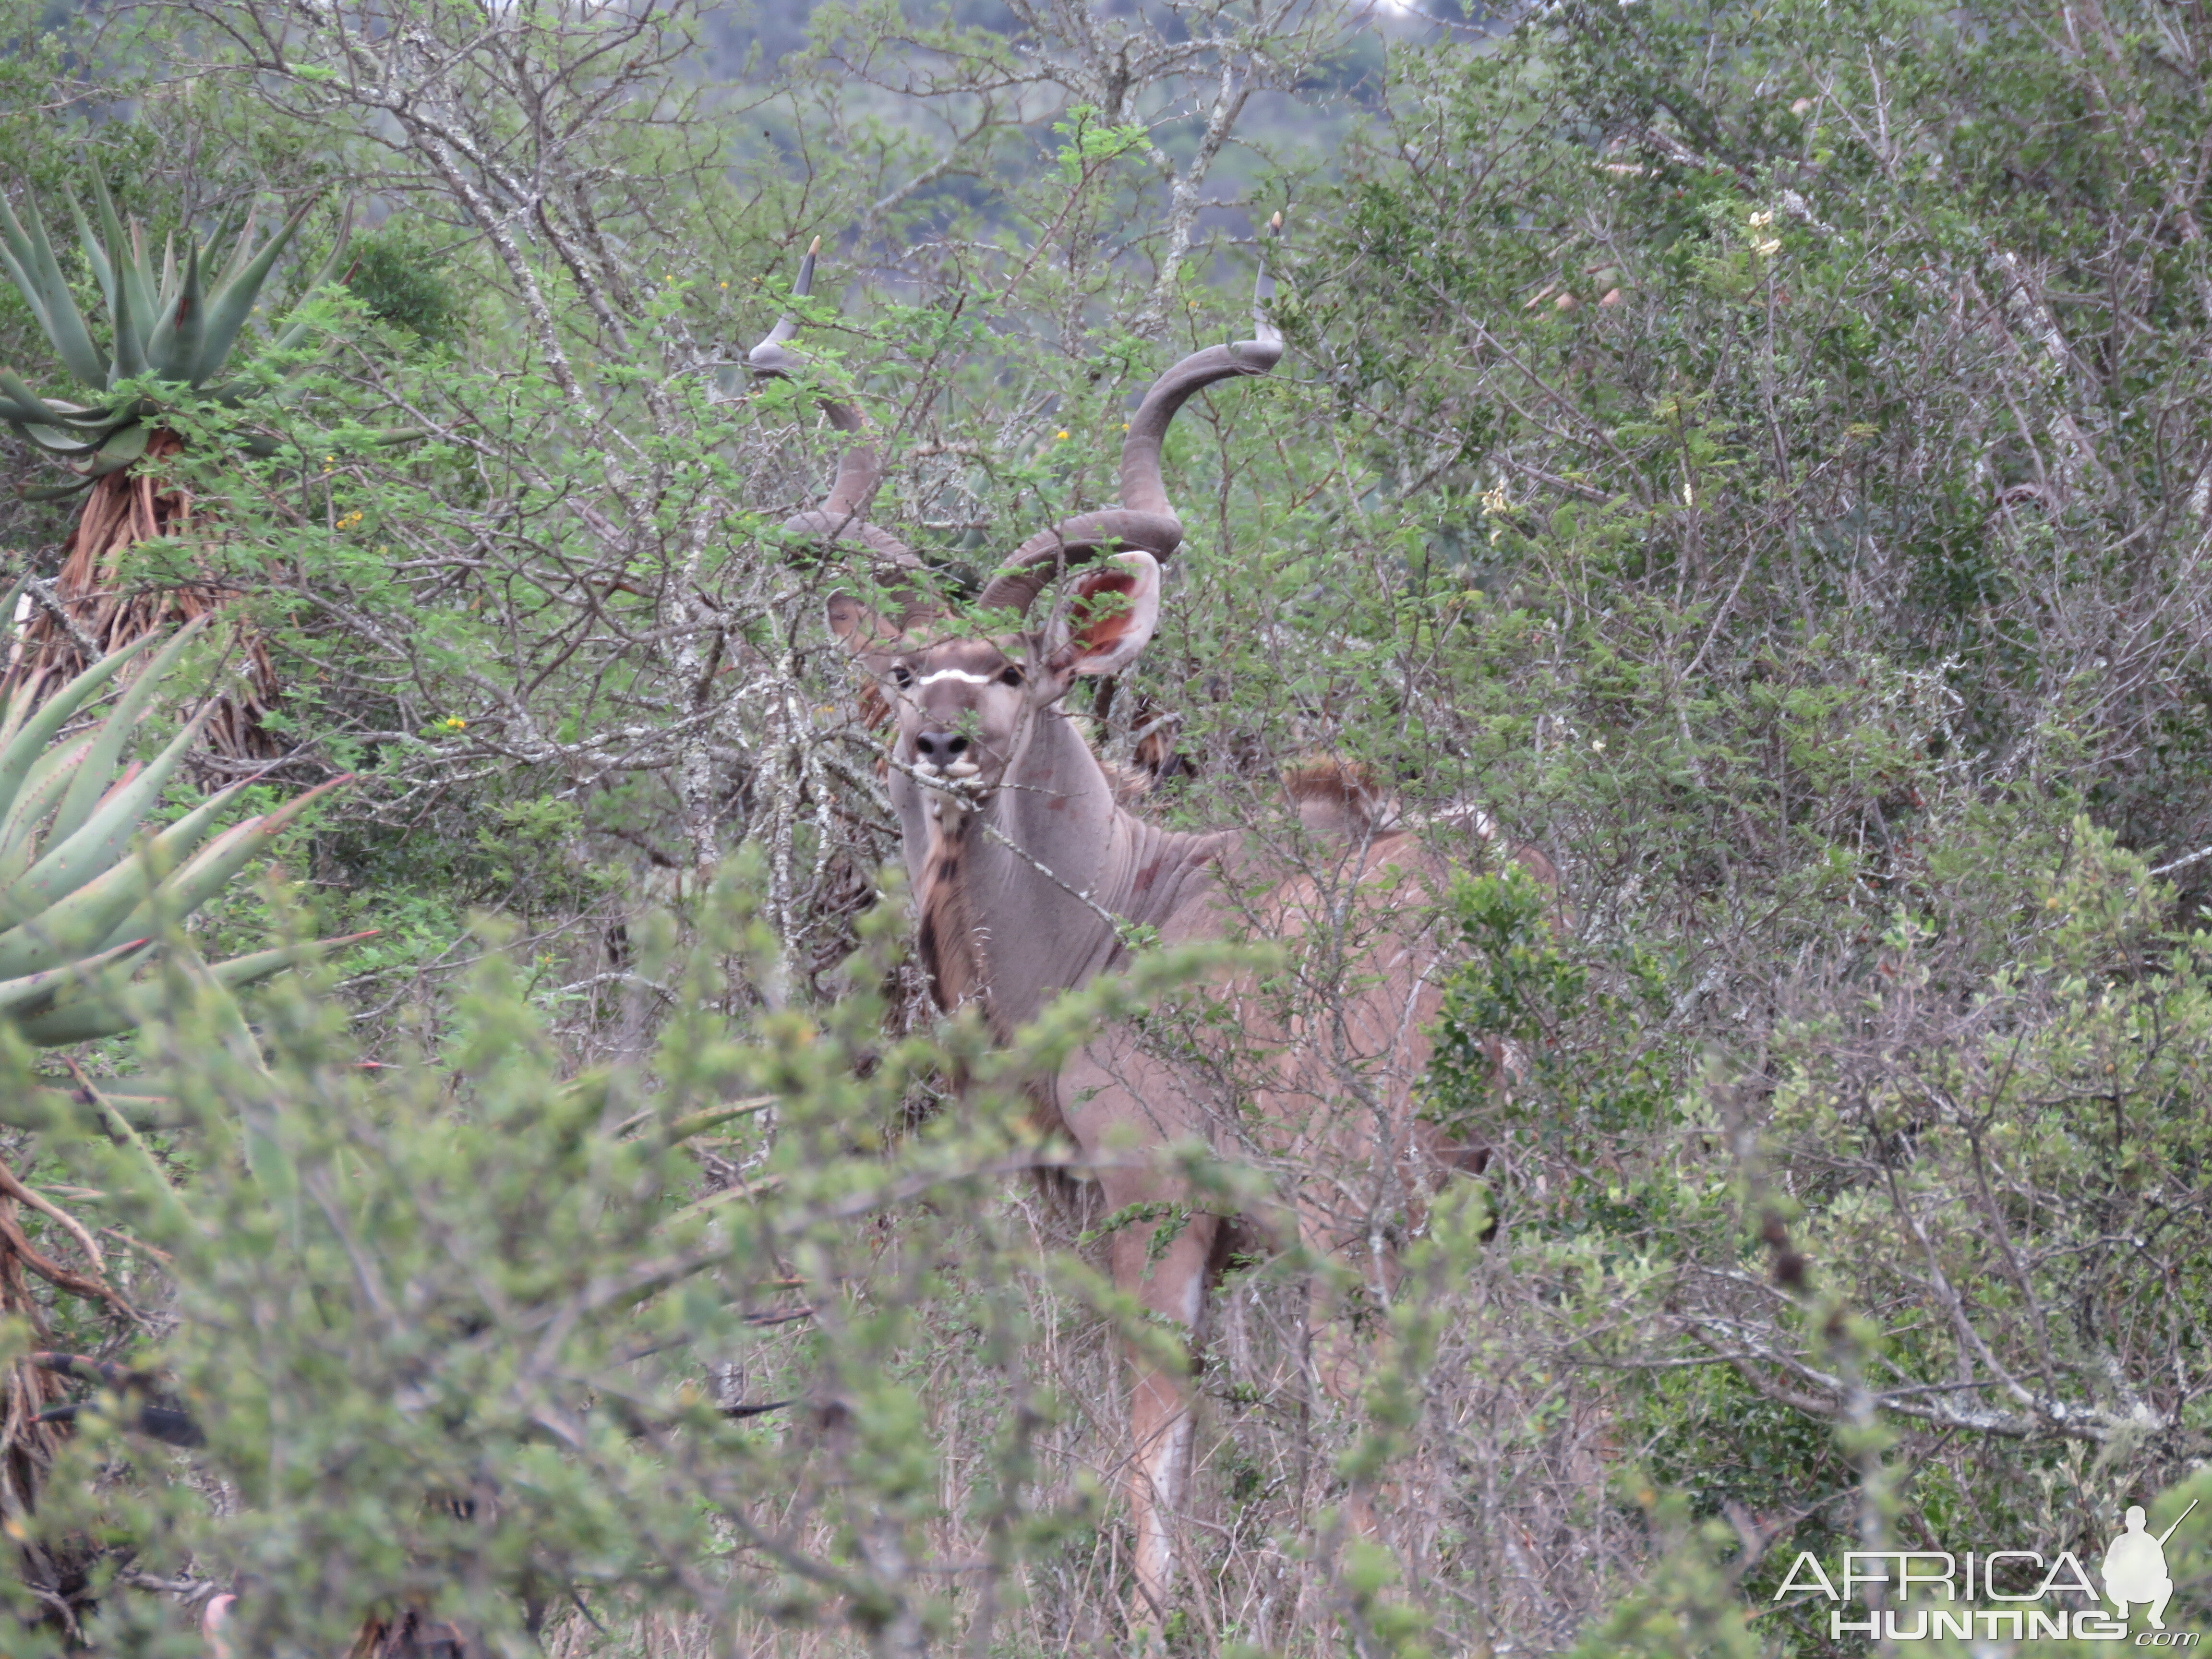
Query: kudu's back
x=1310, y=1069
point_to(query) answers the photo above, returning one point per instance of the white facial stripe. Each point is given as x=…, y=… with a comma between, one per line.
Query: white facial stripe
x=953, y=674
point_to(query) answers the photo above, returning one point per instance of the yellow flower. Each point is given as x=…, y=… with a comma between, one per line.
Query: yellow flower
x=453, y=723
x=1059, y=436
x=1760, y=221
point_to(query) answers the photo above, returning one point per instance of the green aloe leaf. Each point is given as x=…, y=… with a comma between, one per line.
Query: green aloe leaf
x=184, y=890
x=122, y=720
x=82, y=923
x=31, y=263
x=65, y=324
x=46, y=785
x=123, y=445
x=21, y=701
x=99, y=465
x=21, y=396
x=21, y=264
x=21, y=414
x=88, y=919
x=55, y=492
x=241, y=250
x=89, y=1010
x=78, y=418
x=230, y=305
x=55, y=442
x=294, y=330
x=240, y=972
x=130, y=345
x=122, y=275
x=175, y=348
x=211, y=869
x=31, y=737
x=130, y=284
x=34, y=992
x=159, y=326
x=95, y=253
x=105, y=837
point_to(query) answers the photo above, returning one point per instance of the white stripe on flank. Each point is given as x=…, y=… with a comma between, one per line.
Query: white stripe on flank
x=953, y=674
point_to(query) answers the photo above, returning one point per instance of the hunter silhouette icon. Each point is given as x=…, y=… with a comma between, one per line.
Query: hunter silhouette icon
x=2135, y=1567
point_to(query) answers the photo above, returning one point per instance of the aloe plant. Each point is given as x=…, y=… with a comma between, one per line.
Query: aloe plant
x=85, y=885
x=180, y=325
x=171, y=335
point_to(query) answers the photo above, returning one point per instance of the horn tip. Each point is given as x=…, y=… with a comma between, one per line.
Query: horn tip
x=814, y=247
x=1275, y=224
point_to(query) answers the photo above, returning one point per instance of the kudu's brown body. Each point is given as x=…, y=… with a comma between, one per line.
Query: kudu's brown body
x=1024, y=862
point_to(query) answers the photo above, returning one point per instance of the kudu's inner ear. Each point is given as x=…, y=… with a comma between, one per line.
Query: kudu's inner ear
x=1111, y=612
x=867, y=634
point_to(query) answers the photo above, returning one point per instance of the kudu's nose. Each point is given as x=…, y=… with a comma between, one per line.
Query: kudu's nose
x=940, y=748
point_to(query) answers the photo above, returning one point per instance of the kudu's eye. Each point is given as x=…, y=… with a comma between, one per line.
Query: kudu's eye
x=1010, y=675
x=901, y=674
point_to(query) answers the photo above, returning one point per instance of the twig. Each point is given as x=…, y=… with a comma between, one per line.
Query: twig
x=191, y=1589
x=15, y=1189
x=56, y=1213
x=92, y=1290
x=2197, y=857
x=43, y=591
x=141, y=1246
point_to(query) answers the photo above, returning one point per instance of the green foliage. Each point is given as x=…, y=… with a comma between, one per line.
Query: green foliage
x=398, y=275
x=1089, y=144
x=1691, y=1610
x=467, y=1334
x=1520, y=1012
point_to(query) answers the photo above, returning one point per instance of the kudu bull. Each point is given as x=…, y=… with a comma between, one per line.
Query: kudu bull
x=1024, y=860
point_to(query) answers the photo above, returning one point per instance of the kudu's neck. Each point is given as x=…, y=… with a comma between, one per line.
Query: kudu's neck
x=1010, y=904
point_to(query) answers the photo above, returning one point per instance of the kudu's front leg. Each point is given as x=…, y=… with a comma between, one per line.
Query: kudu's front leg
x=1169, y=1281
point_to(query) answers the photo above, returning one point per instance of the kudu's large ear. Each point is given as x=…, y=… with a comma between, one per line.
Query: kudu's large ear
x=864, y=631
x=1112, y=610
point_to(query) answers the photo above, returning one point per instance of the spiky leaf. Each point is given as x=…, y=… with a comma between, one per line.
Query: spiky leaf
x=31, y=263
x=231, y=305
x=176, y=347
x=107, y=747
